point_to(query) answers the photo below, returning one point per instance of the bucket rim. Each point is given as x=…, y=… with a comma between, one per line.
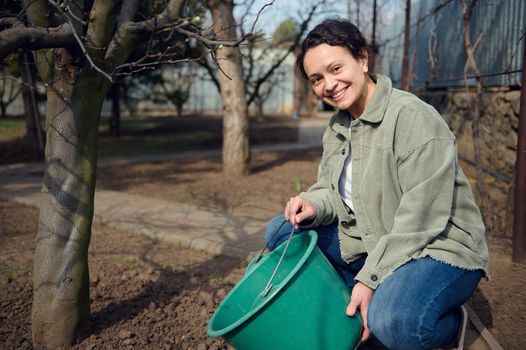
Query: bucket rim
x=220, y=332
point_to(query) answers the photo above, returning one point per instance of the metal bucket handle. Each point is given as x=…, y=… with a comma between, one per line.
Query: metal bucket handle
x=269, y=285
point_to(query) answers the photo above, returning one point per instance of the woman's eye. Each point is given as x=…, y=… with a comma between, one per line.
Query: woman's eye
x=315, y=81
x=336, y=69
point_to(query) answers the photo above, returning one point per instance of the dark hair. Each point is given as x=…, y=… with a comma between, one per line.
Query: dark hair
x=334, y=32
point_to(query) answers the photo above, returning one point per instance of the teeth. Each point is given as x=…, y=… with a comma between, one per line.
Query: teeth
x=338, y=94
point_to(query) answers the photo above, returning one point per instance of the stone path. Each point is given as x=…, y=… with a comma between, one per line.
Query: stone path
x=179, y=223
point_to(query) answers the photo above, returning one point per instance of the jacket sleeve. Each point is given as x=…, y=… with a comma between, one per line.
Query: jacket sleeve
x=320, y=194
x=426, y=176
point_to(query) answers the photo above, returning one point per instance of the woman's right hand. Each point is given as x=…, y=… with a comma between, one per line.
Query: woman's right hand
x=298, y=210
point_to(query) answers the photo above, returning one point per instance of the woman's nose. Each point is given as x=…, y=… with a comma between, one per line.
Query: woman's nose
x=330, y=84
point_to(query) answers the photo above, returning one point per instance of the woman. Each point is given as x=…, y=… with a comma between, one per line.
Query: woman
x=393, y=210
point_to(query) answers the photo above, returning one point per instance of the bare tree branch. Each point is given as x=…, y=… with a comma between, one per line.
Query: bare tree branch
x=36, y=12
x=78, y=27
x=11, y=22
x=247, y=7
x=35, y=39
x=88, y=57
x=303, y=27
x=259, y=13
x=161, y=59
x=128, y=11
x=100, y=29
x=212, y=42
x=206, y=65
x=66, y=11
x=151, y=65
x=128, y=30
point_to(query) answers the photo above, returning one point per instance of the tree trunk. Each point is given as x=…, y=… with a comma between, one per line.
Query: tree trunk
x=235, y=122
x=259, y=108
x=33, y=129
x=179, y=108
x=61, y=305
x=115, y=118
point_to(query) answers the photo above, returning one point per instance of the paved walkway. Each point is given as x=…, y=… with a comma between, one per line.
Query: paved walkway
x=179, y=223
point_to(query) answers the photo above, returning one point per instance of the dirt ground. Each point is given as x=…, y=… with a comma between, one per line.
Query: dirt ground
x=500, y=302
x=148, y=294
x=144, y=293
x=275, y=176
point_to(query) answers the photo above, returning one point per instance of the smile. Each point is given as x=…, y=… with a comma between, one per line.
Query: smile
x=338, y=94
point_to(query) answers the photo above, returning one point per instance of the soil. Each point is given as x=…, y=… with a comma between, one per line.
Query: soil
x=274, y=177
x=499, y=302
x=150, y=294
x=144, y=293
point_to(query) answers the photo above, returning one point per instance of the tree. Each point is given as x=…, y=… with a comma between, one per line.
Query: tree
x=286, y=39
x=173, y=86
x=80, y=47
x=31, y=99
x=235, y=121
x=285, y=33
x=10, y=88
x=284, y=36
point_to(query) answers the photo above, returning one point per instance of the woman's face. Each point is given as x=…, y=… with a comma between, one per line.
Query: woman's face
x=338, y=78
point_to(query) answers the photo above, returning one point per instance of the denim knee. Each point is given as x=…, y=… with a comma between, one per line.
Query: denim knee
x=396, y=329
x=276, y=229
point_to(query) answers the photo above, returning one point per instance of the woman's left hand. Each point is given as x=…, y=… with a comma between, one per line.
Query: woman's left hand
x=360, y=298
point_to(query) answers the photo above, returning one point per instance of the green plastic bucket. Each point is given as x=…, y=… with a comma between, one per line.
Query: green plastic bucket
x=305, y=308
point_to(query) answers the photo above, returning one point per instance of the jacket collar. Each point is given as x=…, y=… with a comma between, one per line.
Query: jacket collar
x=377, y=106
x=374, y=112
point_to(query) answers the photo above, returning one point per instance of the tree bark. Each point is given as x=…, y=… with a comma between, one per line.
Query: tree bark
x=61, y=306
x=235, y=122
x=75, y=93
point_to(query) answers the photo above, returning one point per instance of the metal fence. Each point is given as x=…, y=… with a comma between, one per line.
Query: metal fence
x=437, y=55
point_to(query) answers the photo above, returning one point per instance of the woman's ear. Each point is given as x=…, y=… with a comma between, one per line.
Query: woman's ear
x=364, y=60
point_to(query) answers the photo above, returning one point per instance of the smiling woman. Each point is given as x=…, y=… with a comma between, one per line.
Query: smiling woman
x=335, y=62
x=338, y=78
x=393, y=210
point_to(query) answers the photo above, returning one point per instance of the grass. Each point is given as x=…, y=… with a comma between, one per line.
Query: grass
x=160, y=144
x=129, y=260
x=132, y=124
x=152, y=136
x=14, y=271
x=11, y=128
x=138, y=136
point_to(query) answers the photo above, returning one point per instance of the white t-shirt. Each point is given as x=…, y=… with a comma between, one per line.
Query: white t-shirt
x=344, y=183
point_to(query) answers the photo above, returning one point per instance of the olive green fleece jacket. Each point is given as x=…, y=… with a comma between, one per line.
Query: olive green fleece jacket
x=410, y=196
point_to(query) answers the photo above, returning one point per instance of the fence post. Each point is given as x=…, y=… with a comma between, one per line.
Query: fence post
x=405, y=58
x=519, y=215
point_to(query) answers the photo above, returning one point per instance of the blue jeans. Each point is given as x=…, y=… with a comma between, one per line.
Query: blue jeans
x=416, y=307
